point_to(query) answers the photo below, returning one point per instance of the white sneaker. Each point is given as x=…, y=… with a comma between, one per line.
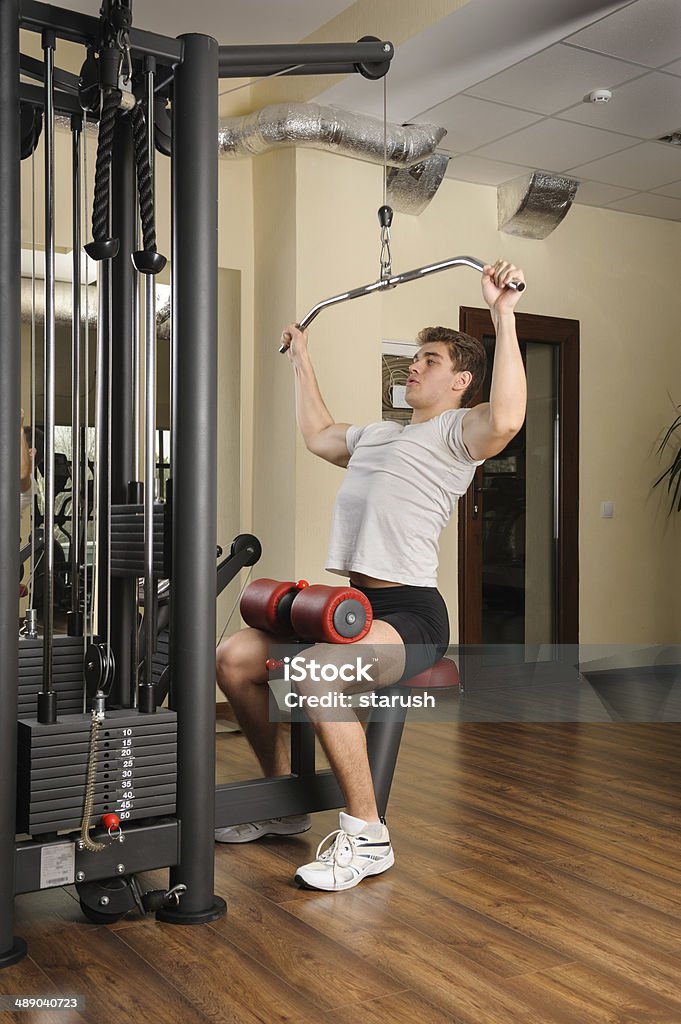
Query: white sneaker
x=246, y=833
x=352, y=855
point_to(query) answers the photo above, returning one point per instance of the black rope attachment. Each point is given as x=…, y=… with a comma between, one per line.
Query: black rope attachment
x=103, y=247
x=147, y=260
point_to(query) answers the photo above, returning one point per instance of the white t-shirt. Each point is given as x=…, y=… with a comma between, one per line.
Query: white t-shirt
x=25, y=501
x=400, y=488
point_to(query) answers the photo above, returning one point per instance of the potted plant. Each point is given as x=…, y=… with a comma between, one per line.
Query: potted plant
x=672, y=473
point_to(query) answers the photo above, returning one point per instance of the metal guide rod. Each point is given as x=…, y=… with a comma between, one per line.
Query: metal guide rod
x=136, y=399
x=75, y=371
x=150, y=421
x=136, y=394
x=46, y=701
x=392, y=282
x=98, y=611
x=31, y=582
x=123, y=441
x=12, y=949
x=87, y=577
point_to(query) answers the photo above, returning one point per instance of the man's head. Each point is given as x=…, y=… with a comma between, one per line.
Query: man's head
x=447, y=370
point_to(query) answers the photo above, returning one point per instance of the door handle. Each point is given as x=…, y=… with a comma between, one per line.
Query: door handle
x=478, y=489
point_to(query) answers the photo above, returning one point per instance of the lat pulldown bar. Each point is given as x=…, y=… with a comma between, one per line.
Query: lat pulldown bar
x=392, y=282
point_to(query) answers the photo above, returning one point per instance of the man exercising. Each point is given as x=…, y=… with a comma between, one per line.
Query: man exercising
x=401, y=485
x=26, y=454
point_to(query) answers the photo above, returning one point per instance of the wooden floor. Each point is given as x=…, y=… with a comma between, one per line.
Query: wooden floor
x=537, y=879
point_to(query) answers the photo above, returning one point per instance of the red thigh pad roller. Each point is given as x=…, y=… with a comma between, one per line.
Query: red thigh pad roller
x=266, y=604
x=337, y=615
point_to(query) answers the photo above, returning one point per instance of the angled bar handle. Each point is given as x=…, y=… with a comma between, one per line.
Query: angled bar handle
x=392, y=282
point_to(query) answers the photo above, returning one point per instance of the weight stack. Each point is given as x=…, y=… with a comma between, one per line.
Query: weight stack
x=127, y=540
x=67, y=674
x=136, y=769
x=161, y=658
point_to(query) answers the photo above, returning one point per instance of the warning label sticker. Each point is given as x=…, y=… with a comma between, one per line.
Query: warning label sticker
x=57, y=865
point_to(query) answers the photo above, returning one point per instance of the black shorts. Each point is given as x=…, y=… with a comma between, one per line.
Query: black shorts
x=419, y=614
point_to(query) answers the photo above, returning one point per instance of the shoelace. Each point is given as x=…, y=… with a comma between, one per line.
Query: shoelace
x=341, y=851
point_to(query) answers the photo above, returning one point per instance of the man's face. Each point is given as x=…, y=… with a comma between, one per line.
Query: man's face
x=431, y=376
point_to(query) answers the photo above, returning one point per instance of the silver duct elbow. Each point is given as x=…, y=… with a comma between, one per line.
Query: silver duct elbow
x=533, y=205
x=410, y=189
x=327, y=128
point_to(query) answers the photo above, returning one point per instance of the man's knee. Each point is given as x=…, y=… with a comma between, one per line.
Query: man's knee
x=241, y=660
x=350, y=668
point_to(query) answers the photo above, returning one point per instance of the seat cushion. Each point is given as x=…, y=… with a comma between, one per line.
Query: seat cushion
x=442, y=675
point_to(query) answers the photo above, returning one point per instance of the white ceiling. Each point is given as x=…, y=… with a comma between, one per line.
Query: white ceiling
x=233, y=21
x=507, y=79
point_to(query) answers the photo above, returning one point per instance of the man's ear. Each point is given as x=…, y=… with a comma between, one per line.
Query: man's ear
x=462, y=380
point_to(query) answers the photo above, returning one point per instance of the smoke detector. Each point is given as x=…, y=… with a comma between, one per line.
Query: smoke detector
x=599, y=96
x=672, y=139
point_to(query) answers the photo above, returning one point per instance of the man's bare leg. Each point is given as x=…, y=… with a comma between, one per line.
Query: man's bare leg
x=344, y=742
x=242, y=676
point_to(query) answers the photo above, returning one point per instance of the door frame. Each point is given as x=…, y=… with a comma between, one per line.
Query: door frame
x=564, y=334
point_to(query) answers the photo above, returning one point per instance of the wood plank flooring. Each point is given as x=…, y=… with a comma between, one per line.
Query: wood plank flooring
x=537, y=879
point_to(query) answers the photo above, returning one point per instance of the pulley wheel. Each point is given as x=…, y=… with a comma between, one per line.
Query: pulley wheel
x=244, y=542
x=98, y=668
x=374, y=69
x=31, y=127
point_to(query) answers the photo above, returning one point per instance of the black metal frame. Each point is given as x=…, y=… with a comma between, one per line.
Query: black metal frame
x=307, y=790
x=193, y=63
x=11, y=948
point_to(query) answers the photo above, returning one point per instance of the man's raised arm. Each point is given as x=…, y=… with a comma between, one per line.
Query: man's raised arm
x=488, y=427
x=321, y=434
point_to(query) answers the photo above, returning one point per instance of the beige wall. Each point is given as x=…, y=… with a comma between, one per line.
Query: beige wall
x=299, y=226
x=613, y=272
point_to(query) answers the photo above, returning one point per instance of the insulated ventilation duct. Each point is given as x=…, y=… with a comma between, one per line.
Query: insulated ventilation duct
x=327, y=128
x=63, y=306
x=410, y=189
x=534, y=204
x=415, y=171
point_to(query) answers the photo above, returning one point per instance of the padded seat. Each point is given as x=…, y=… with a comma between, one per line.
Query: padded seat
x=442, y=675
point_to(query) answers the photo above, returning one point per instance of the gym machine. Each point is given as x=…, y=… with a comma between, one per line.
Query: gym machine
x=102, y=783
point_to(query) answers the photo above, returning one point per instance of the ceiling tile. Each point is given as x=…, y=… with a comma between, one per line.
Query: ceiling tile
x=471, y=122
x=483, y=172
x=594, y=193
x=461, y=49
x=673, y=190
x=646, y=166
x=555, y=145
x=646, y=108
x=554, y=79
x=648, y=32
x=673, y=69
x=650, y=206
